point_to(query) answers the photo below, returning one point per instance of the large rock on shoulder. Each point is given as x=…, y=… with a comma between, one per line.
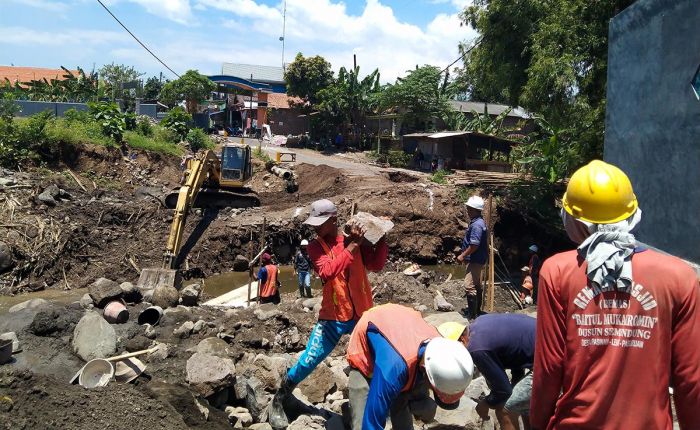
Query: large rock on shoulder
x=436, y=319
x=104, y=290
x=208, y=373
x=94, y=337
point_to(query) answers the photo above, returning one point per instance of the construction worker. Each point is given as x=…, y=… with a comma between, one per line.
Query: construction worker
x=342, y=265
x=302, y=268
x=527, y=286
x=534, y=265
x=474, y=253
x=616, y=323
x=497, y=342
x=394, y=352
x=267, y=279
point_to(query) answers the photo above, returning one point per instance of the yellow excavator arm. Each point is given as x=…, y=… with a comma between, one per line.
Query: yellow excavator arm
x=205, y=166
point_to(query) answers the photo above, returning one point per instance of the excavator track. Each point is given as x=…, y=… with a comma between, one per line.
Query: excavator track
x=216, y=198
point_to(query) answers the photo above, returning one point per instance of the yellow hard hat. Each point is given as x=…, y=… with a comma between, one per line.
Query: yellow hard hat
x=451, y=330
x=599, y=193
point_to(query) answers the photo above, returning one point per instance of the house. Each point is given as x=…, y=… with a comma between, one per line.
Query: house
x=27, y=74
x=517, y=118
x=256, y=94
x=461, y=150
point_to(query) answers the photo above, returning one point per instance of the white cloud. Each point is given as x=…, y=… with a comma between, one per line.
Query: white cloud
x=174, y=10
x=77, y=38
x=323, y=27
x=47, y=5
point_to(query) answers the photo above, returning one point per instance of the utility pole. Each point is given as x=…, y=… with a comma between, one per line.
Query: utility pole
x=284, y=28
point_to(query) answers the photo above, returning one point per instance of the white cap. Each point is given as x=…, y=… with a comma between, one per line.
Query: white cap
x=450, y=370
x=321, y=211
x=534, y=248
x=525, y=269
x=476, y=202
x=304, y=242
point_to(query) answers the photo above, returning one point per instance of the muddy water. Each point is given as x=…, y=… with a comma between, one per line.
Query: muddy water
x=57, y=296
x=225, y=282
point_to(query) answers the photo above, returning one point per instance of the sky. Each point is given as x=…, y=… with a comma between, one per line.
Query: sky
x=392, y=35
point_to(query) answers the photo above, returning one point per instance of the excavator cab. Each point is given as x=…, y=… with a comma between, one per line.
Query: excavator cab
x=236, y=167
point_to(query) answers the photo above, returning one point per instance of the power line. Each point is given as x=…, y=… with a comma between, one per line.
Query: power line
x=462, y=55
x=137, y=39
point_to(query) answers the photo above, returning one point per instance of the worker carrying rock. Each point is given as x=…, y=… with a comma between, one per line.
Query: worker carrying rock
x=617, y=323
x=268, y=281
x=474, y=253
x=341, y=263
x=395, y=355
x=496, y=343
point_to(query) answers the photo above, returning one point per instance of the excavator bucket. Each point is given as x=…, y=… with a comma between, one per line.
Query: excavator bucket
x=153, y=277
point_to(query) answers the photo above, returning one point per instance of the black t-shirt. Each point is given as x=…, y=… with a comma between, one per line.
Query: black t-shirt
x=301, y=262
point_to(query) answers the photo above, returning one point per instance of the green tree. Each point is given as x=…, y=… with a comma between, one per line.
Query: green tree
x=116, y=75
x=192, y=87
x=422, y=95
x=549, y=56
x=306, y=76
x=152, y=88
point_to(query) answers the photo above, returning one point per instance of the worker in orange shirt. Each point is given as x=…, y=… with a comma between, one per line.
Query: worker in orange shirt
x=267, y=279
x=617, y=323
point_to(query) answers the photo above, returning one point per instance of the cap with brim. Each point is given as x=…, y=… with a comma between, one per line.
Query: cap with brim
x=525, y=269
x=321, y=211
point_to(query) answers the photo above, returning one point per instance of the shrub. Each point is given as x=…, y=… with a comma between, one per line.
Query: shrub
x=262, y=155
x=73, y=115
x=177, y=120
x=136, y=140
x=398, y=158
x=144, y=127
x=110, y=119
x=130, y=121
x=440, y=176
x=198, y=139
x=165, y=135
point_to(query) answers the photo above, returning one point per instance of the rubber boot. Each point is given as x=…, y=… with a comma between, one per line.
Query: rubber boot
x=308, y=292
x=471, y=307
x=277, y=416
x=479, y=300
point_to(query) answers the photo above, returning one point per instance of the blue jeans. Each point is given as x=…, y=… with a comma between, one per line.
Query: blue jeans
x=304, y=280
x=324, y=337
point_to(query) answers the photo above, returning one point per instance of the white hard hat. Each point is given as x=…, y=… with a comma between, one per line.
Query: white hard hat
x=450, y=370
x=304, y=242
x=476, y=202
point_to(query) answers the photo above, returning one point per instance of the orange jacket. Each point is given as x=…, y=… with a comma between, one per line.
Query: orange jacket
x=347, y=295
x=270, y=287
x=403, y=327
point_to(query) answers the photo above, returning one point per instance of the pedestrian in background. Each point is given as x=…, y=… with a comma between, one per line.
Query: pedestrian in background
x=534, y=265
x=302, y=267
x=474, y=253
x=267, y=279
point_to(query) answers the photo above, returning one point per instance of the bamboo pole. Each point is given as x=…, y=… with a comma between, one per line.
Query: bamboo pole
x=250, y=265
x=262, y=248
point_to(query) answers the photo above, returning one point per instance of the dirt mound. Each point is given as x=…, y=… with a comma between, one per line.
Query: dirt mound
x=398, y=176
x=319, y=181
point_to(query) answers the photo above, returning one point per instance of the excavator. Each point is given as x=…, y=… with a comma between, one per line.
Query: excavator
x=209, y=181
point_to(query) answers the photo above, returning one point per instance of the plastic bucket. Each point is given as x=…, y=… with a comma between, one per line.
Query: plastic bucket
x=5, y=351
x=96, y=373
x=151, y=315
x=116, y=312
x=128, y=369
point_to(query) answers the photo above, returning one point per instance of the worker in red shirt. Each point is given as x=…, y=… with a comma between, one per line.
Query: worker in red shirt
x=341, y=263
x=617, y=324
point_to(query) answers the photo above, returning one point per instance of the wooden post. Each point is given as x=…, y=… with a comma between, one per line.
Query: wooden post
x=490, y=293
x=250, y=264
x=262, y=247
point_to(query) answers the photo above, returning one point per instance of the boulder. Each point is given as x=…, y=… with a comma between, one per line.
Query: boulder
x=308, y=422
x=103, y=291
x=208, y=374
x=189, y=295
x=436, y=319
x=240, y=264
x=256, y=399
x=260, y=426
x=310, y=303
x=184, y=330
x=239, y=417
x=267, y=311
x=268, y=369
x=50, y=321
x=321, y=383
x=149, y=331
x=49, y=195
x=199, y=326
x=147, y=295
x=464, y=417
x=130, y=293
x=86, y=302
x=214, y=346
x=94, y=337
x=33, y=304
x=442, y=305
x=5, y=257
x=165, y=296
x=138, y=343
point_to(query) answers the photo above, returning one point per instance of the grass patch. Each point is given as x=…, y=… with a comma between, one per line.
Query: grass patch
x=260, y=154
x=153, y=144
x=440, y=176
x=73, y=132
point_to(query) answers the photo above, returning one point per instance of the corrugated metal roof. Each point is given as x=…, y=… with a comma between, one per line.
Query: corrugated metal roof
x=493, y=109
x=274, y=74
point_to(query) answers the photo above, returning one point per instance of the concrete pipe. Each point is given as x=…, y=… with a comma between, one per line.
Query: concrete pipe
x=282, y=173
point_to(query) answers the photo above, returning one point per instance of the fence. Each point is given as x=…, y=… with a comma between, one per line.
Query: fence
x=28, y=108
